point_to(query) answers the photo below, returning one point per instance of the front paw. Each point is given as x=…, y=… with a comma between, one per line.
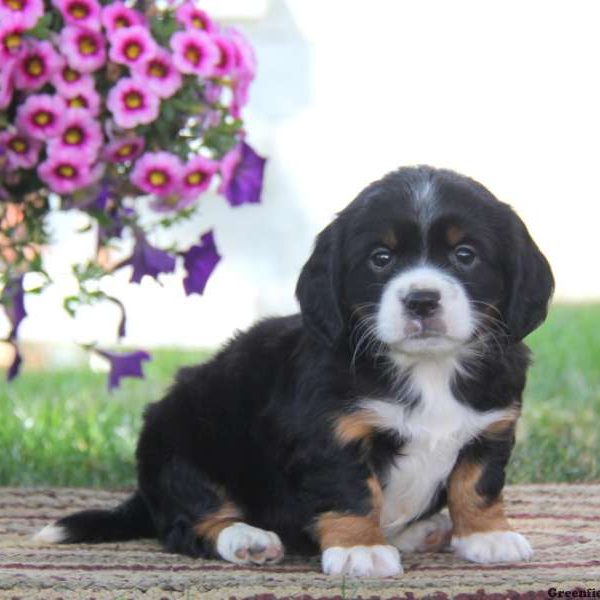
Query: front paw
x=493, y=546
x=362, y=561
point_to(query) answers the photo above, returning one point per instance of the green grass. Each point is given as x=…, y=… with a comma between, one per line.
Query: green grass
x=63, y=427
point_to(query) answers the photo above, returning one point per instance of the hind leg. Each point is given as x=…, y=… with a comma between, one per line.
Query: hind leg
x=427, y=535
x=195, y=517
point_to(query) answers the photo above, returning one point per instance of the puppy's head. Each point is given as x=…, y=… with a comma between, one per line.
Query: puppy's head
x=423, y=261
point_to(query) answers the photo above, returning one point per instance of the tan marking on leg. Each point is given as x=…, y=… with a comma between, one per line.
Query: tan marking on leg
x=338, y=529
x=376, y=496
x=454, y=235
x=355, y=427
x=211, y=526
x=469, y=511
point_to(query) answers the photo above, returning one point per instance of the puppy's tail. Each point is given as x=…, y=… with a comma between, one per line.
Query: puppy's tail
x=128, y=521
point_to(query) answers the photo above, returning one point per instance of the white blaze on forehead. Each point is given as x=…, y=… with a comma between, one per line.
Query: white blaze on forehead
x=454, y=310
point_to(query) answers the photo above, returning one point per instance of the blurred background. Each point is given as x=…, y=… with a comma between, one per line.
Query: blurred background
x=506, y=92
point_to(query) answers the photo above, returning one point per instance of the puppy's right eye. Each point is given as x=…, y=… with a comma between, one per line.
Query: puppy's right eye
x=380, y=259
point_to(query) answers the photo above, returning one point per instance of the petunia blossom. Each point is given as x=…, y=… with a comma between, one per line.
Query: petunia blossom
x=242, y=171
x=123, y=149
x=36, y=64
x=193, y=18
x=157, y=173
x=194, y=52
x=87, y=98
x=41, y=116
x=6, y=82
x=132, y=104
x=244, y=72
x=70, y=82
x=199, y=262
x=13, y=301
x=147, y=260
x=117, y=15
x=84, y=48
x=21, y=152
x=79, y=132
x=123, y=364
x=196, y=176
x=227, y=61
x=28, y=11
x=12, y=42
x=83, y=13
x=132, y=46
x=64, y=172
x=160, y=74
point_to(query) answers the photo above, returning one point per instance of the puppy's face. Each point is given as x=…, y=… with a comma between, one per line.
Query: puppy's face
x=423, y=261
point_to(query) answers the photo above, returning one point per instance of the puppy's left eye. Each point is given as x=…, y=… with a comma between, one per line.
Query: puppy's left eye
x=464, y=255
x=380, y=259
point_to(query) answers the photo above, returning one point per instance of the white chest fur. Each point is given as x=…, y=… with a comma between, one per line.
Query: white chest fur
x=435, y=431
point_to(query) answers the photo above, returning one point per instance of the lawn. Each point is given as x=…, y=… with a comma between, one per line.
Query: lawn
x=63, y=427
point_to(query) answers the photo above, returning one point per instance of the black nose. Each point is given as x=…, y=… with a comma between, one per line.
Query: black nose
x=422, y=303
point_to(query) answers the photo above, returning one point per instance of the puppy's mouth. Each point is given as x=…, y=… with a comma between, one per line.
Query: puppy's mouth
x=426, y=328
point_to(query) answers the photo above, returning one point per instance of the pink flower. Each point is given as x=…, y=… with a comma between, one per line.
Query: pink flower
x=80, y=133
x=6, y=82
x=116, y=16
x=12, y=27
x=64, y=172
x=69, y=82
x=196, y=176
x=84, y=13
x=22, y=152
x=194, y=18
x=41, y=116
x=157, y=173
x=228, y=57
x=244, y=71
x=83, y=48
x=124, y=149
x=160, y=74
x=132, y=104
x=37, y=63
x=87, y=98
x=29, y=11
x=194, y=53
x=132, y=46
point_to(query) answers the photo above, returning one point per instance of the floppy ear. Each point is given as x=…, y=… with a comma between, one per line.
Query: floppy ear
x=531, y=287
x=319, y=288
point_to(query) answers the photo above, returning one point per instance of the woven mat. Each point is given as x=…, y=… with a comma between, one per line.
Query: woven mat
x=561, y=521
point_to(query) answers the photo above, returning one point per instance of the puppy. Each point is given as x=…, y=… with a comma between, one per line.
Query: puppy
x=345, y=429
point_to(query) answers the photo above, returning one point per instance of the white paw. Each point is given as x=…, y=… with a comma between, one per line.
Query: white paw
x=51, y=534
x=495, y=546
x=362, y=561
x=243, y=544
x=427, y=535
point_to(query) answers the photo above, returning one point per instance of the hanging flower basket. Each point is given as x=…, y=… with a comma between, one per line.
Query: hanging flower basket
x=113, y=108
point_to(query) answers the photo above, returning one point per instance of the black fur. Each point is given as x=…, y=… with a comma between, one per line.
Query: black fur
x=255, y=424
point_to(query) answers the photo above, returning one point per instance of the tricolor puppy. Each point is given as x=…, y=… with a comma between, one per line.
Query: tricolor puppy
x=345, y=429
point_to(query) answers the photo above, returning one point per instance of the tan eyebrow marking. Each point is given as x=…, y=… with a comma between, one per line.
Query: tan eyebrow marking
x=454, y=234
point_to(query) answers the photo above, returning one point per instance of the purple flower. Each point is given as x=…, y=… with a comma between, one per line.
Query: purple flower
x=132, y=46
x=147, y=260
x=13, y=299
x=199, y=262
x=242, y=171
x=124, y=364
x=84, y=49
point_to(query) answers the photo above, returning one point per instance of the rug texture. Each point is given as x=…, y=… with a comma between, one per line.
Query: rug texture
x=561, y=521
